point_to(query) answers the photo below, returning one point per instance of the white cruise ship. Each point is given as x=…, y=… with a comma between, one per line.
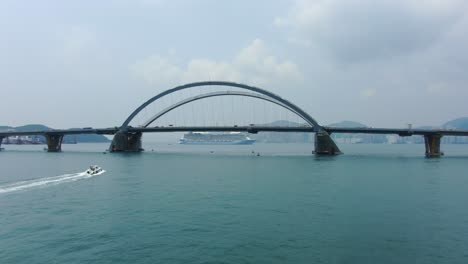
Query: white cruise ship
x=208, y=138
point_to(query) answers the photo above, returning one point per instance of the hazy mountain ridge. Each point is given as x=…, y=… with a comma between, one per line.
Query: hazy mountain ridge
x=278, y=137
x=347, y=124
x=459, y=123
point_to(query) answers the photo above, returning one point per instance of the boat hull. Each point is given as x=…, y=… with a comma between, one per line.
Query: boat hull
x=96, y=173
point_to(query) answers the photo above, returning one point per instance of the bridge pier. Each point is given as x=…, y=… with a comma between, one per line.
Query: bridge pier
x=126, y=142
x=432, y=143
x=1, y=139
x=324, y=144
x=54, y=142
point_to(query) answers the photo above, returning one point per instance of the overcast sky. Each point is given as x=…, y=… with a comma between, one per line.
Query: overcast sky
x=90, y=63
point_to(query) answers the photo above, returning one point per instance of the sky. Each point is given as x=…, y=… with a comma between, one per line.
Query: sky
x=91, y=63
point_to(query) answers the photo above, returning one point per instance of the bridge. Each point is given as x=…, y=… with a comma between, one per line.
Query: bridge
x=127, y=138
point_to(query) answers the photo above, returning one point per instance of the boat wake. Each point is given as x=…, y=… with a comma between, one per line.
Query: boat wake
x=44, y=182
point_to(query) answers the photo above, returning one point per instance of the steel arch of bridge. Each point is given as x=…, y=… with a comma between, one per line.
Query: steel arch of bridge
x=311, y=121
x=215, y=94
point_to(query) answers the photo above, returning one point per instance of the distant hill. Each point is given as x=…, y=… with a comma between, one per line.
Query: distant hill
x=459, y=123
x=347, y=124
x=277, y=137
x=426, y=127
x=31, y=127
x=81, y=138
x=355, y=138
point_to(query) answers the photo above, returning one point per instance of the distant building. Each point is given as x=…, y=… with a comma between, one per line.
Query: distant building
x=392, y=139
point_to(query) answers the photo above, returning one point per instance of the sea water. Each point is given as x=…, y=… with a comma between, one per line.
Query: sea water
x=262, y=203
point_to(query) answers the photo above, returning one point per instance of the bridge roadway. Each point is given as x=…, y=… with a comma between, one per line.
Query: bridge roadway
x=250, y=129
x=132, y=135
x=256, y=129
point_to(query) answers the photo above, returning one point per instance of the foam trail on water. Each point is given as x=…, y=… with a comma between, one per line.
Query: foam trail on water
x=42, y=182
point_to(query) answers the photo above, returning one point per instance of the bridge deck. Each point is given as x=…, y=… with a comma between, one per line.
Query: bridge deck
x=108, y=131
x=397, y=131
x=249, y=129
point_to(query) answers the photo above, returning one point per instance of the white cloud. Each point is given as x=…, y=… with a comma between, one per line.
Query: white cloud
x=357, y=30
x=205, y=69
x=253, y=64
x=155, y=69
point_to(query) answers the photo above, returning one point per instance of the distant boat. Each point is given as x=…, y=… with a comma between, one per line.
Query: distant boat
x=208, y=138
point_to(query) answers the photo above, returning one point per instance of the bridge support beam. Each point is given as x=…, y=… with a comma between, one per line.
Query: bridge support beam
x=54, y=142
x=126, y=142
x=432, y=143
x=324, y=144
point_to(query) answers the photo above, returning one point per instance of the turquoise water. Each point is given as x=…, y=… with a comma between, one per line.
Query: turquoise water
x=224, y=204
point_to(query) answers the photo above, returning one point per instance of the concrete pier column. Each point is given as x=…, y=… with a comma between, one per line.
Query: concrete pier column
x=126, y=142
x=324, y=144
x=54, y=142
x=1, y=139
x=432, y=143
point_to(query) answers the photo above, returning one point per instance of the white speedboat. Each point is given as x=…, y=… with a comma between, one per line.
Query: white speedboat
x=94, y=170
